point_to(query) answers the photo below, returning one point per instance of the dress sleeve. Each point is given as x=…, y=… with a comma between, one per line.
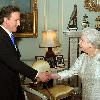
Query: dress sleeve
x=74, y=69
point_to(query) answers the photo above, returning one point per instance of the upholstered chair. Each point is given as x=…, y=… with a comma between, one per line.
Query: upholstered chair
x=57, y=92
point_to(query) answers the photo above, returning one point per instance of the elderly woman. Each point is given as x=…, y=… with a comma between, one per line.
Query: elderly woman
x=87, y=65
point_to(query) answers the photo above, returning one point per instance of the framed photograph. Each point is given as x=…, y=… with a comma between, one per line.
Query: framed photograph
x=39, y=58
x=60, y=61
x=29, y=17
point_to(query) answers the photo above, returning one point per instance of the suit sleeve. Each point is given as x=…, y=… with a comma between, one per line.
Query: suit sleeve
x=9, y=58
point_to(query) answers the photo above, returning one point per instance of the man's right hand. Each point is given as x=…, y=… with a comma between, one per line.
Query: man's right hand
x=43, y=76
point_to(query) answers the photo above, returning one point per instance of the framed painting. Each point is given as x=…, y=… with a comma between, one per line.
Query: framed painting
x=29, y=17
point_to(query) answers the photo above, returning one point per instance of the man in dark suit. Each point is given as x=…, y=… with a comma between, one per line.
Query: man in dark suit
x=10, y=64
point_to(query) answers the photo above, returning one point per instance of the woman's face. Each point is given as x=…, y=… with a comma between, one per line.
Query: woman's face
x=84, y=44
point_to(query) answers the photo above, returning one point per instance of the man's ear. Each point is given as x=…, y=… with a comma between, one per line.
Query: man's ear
x=5, y=19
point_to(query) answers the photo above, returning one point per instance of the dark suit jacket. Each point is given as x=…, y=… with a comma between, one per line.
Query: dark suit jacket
x=10, y=67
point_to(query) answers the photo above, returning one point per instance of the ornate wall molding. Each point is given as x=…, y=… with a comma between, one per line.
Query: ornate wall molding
x=92, y=5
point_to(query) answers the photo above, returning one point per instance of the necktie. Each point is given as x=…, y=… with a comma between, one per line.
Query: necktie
x=12, y=38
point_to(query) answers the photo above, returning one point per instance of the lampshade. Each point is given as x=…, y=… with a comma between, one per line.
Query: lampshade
x=49, y=39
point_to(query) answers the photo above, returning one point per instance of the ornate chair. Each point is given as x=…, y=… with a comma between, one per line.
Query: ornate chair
x=31, y=94
x=59, y=92
x=56, y=92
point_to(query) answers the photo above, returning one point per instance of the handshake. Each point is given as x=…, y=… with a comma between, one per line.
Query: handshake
x=44, y=71
x=46, y=76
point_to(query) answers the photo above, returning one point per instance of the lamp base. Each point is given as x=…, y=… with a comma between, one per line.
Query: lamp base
x=50, y=57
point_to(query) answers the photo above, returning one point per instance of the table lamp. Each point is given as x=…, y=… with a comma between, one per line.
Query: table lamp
x=49, y=40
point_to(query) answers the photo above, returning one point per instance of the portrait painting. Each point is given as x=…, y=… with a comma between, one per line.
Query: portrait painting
x=27, y=9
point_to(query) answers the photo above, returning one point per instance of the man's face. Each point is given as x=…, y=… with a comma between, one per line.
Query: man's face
x=13, y=22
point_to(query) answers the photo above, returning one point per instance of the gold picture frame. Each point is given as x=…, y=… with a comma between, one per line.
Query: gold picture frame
x=39, y=58
x=60, y=61
x=92, y=5
x=34, y=23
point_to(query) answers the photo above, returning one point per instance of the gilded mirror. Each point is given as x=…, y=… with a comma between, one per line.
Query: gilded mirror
x=92, y=5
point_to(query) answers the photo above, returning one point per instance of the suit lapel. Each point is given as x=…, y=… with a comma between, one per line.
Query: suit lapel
x=7, y=39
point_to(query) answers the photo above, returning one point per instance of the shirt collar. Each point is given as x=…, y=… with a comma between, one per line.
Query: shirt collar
x=9, y=33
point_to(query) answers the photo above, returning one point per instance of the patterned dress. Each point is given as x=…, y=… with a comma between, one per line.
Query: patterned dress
x=88, y=69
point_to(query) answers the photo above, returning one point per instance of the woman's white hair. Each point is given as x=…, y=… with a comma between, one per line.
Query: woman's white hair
x=93, y=36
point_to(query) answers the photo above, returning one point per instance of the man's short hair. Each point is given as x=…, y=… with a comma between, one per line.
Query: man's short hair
x=6, y=12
